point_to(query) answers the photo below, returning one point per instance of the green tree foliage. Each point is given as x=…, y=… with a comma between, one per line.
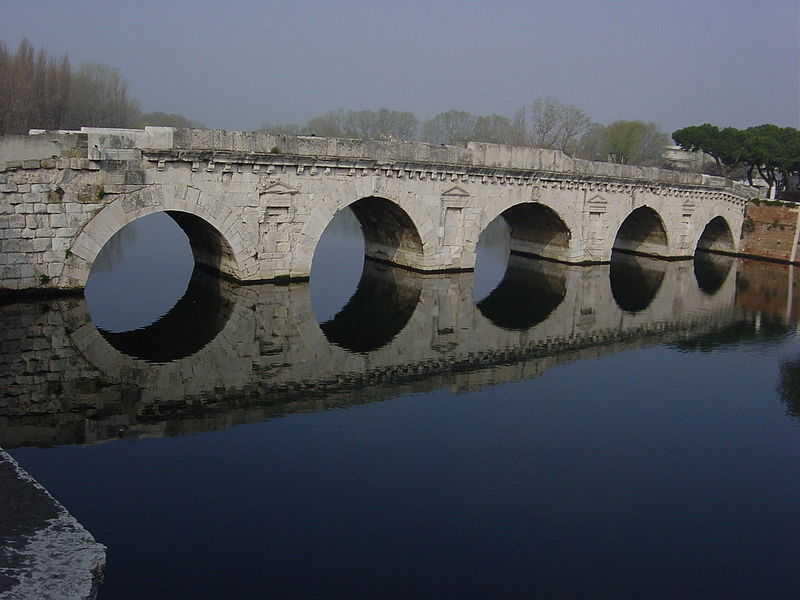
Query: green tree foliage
x=635, y=142
x=771, y=151
x=624, y=142
x=725, y=146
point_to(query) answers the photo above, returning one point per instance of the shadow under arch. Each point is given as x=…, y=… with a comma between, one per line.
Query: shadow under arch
x=389, y=233
x=642, y=232
x=635, y=280
x=376, y=313
x=716, y=237
x=528, y=293
x=537, y=230
x=185, y=329
x=711, y=271
x=210, y=249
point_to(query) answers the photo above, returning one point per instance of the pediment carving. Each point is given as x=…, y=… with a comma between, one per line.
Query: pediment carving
x=456, y=191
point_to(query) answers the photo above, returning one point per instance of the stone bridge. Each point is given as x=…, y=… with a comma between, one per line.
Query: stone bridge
x=229, y=354
x=254, y=205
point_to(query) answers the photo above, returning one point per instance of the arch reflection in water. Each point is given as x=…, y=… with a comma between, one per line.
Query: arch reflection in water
x=376, y=313
x=529, y=292
x=635, y=280
x=711, y=270
x=187, y=328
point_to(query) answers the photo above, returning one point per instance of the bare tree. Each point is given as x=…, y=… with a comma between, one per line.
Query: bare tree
x=519, y=127
x=545, y=120
x=493, y=128
x=451, y=127
x=99, y=98
x=34, y=89
x=557, y=125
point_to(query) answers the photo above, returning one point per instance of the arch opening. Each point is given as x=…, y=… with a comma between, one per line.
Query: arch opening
x=337, y=265
x=382, y=305
x=716, y=237
x=145, y=267
x=529, y=292
x=642, y=232
x=537, y=230
x=389, y=233
x=492, y=254
x=139, y=274
x=635, y=280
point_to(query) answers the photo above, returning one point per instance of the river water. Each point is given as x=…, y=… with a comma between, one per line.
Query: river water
x=529, y=430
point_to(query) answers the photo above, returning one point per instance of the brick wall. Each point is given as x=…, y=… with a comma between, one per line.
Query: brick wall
x=769, y=231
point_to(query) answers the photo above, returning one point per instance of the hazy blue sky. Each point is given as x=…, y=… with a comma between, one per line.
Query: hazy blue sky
x=235, y=64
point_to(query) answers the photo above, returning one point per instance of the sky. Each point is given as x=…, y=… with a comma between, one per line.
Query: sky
x=237, y=64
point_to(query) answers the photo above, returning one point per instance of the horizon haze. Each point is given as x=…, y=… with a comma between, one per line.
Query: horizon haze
x=236, y=66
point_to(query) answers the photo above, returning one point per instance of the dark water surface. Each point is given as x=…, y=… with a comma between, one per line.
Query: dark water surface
x=532, y=430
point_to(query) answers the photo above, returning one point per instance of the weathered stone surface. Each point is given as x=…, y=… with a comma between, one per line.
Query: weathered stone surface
x=46, y=553
x=258, y=203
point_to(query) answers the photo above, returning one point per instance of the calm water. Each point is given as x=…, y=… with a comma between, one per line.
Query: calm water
x=532, y=430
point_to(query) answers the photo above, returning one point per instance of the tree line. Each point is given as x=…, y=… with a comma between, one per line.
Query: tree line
x=41, y=91
x=768, y=151
x=546, y=123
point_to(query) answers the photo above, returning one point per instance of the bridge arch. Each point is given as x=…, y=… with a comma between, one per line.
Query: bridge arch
x=535, y=229
x=716, y=236
x=400, y=233
x=642, y=232
x=215, y=242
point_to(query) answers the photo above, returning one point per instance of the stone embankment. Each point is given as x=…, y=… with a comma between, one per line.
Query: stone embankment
x=46, y=553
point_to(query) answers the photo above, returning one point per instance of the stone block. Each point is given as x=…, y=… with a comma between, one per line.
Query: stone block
x=9, y=272
x=34, y=221
x=58, y=220
x=31, y=164
x=41, y=244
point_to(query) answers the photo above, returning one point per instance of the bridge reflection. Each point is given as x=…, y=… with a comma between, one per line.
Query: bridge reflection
x=228, y=354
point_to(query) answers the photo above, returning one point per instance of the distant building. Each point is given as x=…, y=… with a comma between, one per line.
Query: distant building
x=686, y=160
